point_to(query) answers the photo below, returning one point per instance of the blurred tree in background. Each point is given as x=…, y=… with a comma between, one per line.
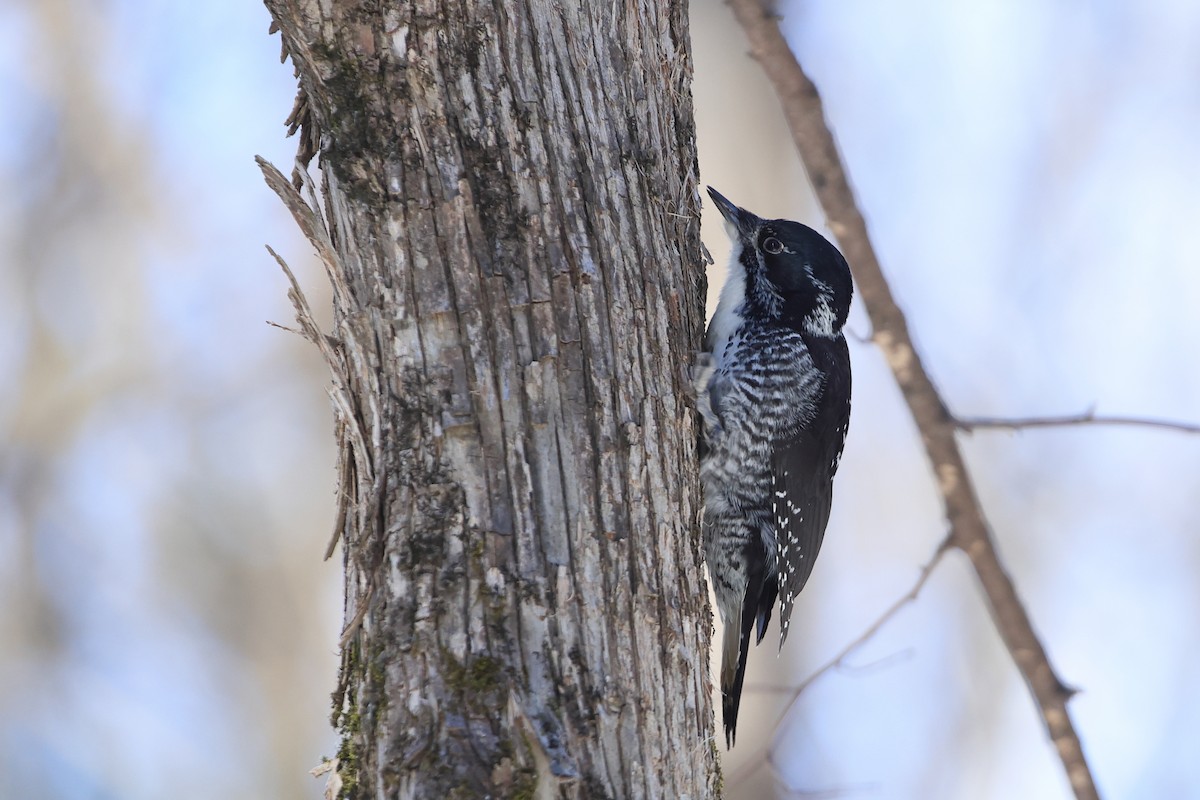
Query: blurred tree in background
x=165, y=475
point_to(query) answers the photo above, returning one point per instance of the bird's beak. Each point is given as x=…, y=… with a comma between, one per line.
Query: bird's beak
x=739, y=223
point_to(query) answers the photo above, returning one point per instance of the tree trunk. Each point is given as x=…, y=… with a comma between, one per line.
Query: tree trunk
x=510, y=217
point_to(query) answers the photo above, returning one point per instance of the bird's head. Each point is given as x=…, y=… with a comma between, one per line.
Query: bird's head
x=793, y=273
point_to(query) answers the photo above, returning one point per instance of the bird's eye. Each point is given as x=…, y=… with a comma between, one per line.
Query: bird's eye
x=773, y=245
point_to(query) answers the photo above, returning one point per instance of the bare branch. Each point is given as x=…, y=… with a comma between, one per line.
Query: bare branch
x=878, y=665
x=1089, y=417
x=838, y=660
x=854, y=670
x=805, y=115
x=865, y=636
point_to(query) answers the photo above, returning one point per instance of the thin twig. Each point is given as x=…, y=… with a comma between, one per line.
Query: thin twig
x=878, y=665
x=866, y=635
x=1090, y=417
x=969, y=528
x=837, y=661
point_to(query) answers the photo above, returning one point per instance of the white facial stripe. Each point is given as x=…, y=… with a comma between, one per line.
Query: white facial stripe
x=820, y=322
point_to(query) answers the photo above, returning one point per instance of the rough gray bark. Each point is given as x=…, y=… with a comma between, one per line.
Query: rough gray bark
x=509, y=214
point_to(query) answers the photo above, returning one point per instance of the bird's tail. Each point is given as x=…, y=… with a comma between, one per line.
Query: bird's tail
x=755, y=613
x=734, y=648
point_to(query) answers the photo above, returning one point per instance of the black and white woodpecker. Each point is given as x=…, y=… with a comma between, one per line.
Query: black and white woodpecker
x=774, y=392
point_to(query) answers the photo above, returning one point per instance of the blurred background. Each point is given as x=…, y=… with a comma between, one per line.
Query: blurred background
x=1031, y=176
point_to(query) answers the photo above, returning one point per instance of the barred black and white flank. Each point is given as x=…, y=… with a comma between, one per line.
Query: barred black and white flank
x=774, y=391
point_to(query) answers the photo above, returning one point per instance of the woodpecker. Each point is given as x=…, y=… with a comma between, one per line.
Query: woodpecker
x=773, y=389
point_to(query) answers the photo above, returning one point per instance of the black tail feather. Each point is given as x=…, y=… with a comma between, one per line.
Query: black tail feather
x=760, y=598
x=766, y=603
x=731, y=684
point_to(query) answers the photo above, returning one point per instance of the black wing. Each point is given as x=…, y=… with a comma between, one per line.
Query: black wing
x=801, y=495
x=802, y=470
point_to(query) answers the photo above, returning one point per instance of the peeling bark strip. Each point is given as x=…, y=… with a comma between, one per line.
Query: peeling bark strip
x=509, y=215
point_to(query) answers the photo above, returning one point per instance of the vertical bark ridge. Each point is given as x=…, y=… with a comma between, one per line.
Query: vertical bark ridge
x=512, y=192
